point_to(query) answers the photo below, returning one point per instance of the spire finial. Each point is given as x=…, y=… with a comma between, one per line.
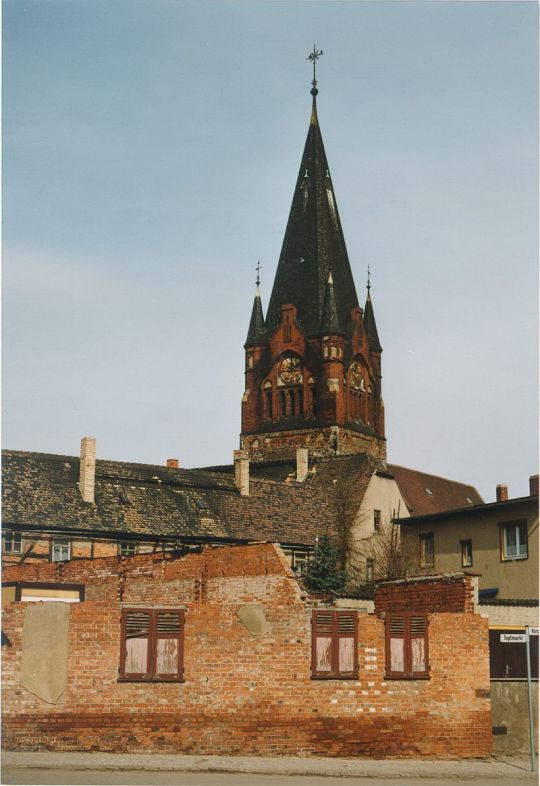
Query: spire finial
x=258, y=269
x=368, y=279
x=314, y=56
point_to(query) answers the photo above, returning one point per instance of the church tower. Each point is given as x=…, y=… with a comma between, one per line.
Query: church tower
x=313, y=366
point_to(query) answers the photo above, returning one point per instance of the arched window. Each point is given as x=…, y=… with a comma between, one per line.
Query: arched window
x=282, y=404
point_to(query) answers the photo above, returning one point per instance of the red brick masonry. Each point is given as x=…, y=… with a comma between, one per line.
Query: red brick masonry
x=248, y=694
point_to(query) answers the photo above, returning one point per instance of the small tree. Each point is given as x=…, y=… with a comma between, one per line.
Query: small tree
x=322, y=573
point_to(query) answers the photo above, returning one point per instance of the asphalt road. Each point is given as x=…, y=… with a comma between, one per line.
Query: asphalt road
x=164, y=778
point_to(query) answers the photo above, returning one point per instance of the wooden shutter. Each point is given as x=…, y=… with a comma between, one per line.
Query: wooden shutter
x=334, y=645
x=168, y=638
x=396, y=645
x=347, y=647
x=135, y=659
x=152, y=644
x=407, y=645
x=417, y=645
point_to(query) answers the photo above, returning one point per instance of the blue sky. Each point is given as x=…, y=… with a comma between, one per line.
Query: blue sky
x=150, y=154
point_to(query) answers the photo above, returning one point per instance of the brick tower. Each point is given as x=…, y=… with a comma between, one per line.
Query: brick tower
x=313, y=366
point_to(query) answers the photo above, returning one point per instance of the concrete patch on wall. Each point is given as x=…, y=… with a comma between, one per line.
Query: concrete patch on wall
x=253, y=618
x=45, y=650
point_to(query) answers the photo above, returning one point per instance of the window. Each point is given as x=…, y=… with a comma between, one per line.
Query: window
x=466, y=553
x=41, y=591
x=152, y=645
x=377, y=520
x=370, y=566
x=407, y=646
x=427, y=550
x=127, y=548
x=11, y=542
x=60, y=549
x=334, y=653
x=514, y=540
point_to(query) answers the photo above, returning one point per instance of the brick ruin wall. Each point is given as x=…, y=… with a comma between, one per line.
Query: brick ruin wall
x=243, y=694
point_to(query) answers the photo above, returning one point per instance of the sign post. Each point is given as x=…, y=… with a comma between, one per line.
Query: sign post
x=528, y=632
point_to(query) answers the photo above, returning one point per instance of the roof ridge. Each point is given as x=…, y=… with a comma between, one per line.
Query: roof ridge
x=432, y=475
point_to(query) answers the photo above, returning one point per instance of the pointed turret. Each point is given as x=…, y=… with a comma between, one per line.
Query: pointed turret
x=313, y=245
x=330, y=320
x=370, y=326
x=257, y=333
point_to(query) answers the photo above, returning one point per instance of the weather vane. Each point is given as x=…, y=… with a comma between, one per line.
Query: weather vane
x=314, y=56
x=368, y=278
x=258, y=269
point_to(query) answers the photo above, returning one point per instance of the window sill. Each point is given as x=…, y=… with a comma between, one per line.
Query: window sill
x=334, y=677
x=407, y=677
x=153, y=680
x=512, y=559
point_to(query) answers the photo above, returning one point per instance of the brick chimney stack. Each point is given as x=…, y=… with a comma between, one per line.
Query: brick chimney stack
x=502, y=492
x=302, y=464
x=533, y=485
x=241, y=472
x=173, y=463
x=87, y=471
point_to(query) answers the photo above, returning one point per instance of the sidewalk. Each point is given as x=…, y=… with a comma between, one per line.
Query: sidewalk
x=506, y=769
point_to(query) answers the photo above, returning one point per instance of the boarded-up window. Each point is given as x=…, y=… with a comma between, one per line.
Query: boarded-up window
x=407, y=646
x=334, y=644
x=152, y=643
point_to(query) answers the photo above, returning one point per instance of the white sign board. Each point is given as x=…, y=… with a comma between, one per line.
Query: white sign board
x=513, y=638
x=533, y=631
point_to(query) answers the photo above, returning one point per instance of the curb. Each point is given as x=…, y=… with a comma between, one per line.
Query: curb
x=467, y=770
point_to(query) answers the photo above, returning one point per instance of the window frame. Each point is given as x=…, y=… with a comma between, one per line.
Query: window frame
x=464, y=544
x=12, y=535
x=151, y=654
x=408, y=673
x=377, y=520
x=517, y=524
x=423, y=538
x=335, y=635
x=20, y=586
x=64, y=538
x=123, y=543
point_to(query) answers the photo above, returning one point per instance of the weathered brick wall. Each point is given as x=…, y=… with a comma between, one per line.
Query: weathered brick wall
x=242, y=694
x=446, y=593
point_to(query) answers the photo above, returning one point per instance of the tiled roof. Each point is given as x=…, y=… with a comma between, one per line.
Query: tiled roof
x=425, y=494
x=40, y=491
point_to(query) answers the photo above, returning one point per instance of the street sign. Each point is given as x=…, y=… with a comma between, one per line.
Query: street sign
x=513, y=638
x=533, y=631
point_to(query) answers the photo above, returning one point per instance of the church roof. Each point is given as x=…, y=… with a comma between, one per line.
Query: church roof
x=370, y=326
x=330, y=320
x=313, y=245
x=257, y=330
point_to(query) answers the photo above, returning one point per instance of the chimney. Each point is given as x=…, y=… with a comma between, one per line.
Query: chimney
x=173, y=463
x=533, y=485
x=502, y=492
x=87, y=471
x=241, y=471
x=302, y=463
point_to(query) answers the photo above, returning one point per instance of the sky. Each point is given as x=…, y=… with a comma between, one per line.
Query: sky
x=150, y=153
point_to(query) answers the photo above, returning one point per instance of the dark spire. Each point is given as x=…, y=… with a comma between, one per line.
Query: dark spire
x=257, y=330
x=313, y=243
x=370, y=326
x=330, y=320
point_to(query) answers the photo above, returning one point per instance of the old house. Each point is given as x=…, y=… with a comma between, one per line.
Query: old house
x=498, y=542
x=222, y=652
